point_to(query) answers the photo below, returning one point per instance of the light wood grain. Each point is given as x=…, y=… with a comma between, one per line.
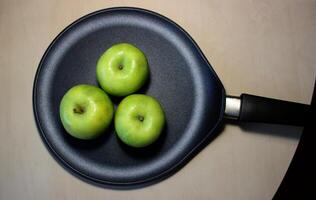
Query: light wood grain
x=261, y=47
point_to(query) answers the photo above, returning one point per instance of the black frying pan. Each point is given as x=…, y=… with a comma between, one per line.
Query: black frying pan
x=181, y=78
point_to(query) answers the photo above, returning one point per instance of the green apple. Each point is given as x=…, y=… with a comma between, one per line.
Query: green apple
x=122, y=69
x=139, y=120
x=86, y=111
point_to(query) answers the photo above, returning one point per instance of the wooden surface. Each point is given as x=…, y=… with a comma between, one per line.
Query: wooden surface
x=261, y=47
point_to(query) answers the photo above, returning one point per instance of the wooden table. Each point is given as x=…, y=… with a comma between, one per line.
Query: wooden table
x=261, y=47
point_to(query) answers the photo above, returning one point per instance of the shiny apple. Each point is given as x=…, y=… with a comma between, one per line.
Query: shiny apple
x=122, y=69
x=86, y=111
x=139, y=120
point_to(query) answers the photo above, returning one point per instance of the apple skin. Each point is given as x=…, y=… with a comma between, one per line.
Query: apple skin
x=86, y=111
x=139, y=120
x=122, y=69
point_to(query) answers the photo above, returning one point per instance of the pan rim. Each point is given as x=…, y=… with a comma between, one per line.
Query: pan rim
x=117, y=184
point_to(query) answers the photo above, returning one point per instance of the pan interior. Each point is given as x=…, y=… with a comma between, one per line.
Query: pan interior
x=180, y=78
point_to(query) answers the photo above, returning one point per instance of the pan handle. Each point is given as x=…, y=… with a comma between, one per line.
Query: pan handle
x=251, y=108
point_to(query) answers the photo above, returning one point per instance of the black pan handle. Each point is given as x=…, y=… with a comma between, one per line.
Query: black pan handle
x=251, y=108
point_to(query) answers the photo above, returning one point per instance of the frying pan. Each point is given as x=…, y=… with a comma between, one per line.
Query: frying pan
x=181, y=78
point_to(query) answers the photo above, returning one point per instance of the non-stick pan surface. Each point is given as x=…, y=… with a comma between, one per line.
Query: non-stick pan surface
x=180, y=78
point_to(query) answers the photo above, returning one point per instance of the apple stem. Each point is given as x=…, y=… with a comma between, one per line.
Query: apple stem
x=79, y=110
x=140, y=118
x=120, y=67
